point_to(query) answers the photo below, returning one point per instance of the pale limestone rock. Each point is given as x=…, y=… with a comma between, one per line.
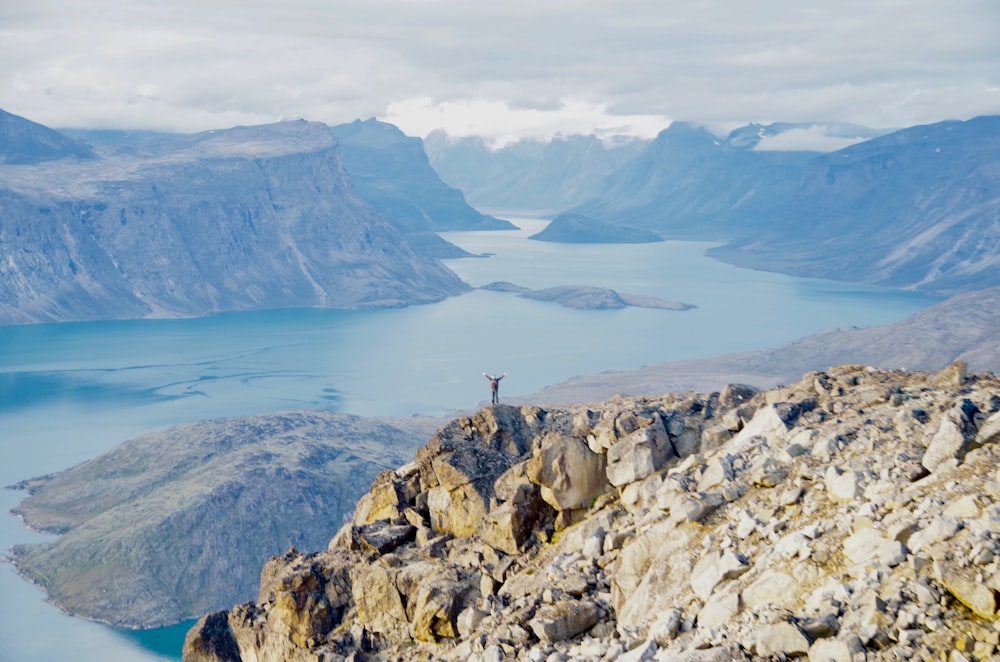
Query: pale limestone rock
x=771, y=422
x=938, y=530
x=666, y=626
x=570, y=474
x=954, y=438
x=746, y=526
x=843, y=486
x=714, y=436
x=211, y=640
x=991, y=518
x=593, y=546
x=868, y=546
x=794, y=544
x=781, y=639
x=715, y=568
x=641, y=653
x=469, y=620
x=719, y=610
x=438, y=505
x=658, y=580
x=989, y=430
x=717, y=471
x=382, y=537
x=693, y=507
x=652, y=570
x=836, y=650
x=639, y=454
x=819, y=627
x=563, y=620
x=509, y=525
x=771, y=588
x=650, y=492
x=965, y=507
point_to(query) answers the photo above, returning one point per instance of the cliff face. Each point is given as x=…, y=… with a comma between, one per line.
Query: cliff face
x=855, y=511
x=392, y=172
x=246, y=218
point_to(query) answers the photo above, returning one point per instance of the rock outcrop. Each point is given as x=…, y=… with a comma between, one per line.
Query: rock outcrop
x=854, y=514
x=587, y=297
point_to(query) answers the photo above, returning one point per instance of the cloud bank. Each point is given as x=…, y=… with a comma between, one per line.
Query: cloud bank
x=500, y=70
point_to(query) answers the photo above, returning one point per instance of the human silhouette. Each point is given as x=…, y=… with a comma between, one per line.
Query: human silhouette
x=495, y=386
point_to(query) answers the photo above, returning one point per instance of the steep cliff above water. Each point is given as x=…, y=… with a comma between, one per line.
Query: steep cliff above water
x=855, y=511
x=391, y=171
x=244, y=218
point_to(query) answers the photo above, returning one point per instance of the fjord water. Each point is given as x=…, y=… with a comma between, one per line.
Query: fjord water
x=69, y=392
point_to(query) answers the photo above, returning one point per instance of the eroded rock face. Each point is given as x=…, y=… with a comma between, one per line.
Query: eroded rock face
x=812, y=530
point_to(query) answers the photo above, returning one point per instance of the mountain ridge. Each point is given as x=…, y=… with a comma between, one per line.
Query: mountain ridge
x=393, y=173
x=916, y=208
x=236, y=219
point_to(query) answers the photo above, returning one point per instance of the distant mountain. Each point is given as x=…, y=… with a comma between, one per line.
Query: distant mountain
x=23, y=141
x=244, y=218
x=529, y=174
x=917, y=208
x=391, y=171
x=687, y=184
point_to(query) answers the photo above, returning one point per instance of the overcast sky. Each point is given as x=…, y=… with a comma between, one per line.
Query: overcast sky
x=499, y=69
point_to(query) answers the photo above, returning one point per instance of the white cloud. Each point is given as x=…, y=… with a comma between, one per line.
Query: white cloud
x=500, y=124
x=814, y=138
x=501, y=69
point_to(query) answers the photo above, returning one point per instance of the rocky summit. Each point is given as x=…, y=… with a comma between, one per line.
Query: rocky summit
x=853, y=515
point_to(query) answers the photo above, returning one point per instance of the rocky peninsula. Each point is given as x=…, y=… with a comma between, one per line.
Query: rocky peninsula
x=178, y=522
x=853, y=514
x=586, y=297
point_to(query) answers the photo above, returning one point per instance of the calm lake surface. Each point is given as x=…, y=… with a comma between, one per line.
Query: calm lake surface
x=69, y=392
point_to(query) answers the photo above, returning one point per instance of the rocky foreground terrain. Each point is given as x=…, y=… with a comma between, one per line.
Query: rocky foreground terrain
x=854, y=514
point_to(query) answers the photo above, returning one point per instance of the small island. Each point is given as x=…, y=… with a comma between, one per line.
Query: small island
x=585, y=297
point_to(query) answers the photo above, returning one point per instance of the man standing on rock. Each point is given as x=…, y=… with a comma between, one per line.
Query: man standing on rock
x=495, y=385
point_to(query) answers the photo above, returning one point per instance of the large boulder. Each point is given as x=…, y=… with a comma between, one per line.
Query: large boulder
x=639, y=454
x=954, y=437
x=569, y=473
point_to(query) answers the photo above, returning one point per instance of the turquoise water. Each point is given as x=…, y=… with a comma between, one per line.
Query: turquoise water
x=69, y=392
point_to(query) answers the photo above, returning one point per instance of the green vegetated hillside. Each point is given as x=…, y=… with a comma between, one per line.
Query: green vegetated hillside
x=177, y=522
